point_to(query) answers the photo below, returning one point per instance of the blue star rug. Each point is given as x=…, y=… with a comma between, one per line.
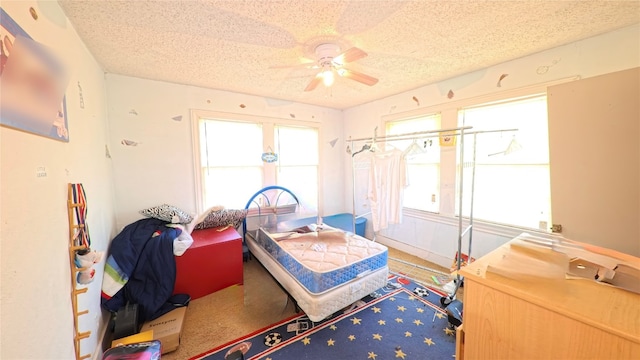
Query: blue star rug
x=399, y=321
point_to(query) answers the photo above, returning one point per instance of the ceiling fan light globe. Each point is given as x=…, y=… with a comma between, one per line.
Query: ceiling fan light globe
x=327, y=78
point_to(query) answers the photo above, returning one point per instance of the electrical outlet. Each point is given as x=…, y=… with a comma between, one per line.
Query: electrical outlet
x=542, y=225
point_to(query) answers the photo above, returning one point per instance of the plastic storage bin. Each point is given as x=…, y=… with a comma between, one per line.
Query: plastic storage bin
x=340, y=221
x=344, y=221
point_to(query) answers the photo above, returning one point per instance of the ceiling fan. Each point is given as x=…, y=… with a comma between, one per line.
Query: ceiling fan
x=331, y=62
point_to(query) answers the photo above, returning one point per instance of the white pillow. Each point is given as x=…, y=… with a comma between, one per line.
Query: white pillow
x=183, y=241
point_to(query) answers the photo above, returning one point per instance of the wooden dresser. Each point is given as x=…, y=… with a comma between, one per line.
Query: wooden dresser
x=538, y=318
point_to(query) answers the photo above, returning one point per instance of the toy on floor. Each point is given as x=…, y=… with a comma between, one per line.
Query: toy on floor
x=85, y=259
x=454, y=313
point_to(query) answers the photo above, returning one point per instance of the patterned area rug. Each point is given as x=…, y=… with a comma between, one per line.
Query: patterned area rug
x=399, y=321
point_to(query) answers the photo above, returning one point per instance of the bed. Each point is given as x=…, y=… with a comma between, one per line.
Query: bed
x=322, y=268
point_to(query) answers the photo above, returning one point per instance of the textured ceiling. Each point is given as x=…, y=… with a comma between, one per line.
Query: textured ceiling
x=246, y=46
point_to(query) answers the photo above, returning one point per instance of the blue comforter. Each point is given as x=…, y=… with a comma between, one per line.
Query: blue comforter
x=141, y=269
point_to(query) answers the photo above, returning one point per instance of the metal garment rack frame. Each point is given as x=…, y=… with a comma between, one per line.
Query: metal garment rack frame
x=459, y=132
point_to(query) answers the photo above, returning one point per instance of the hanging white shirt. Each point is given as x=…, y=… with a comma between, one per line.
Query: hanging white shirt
x=387, y=181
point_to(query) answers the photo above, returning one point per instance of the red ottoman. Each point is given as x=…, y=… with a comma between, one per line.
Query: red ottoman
x=213, y=262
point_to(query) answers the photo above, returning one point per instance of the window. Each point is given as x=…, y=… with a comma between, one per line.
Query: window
x=230, y=162
x=423, y=166
x=231, y=167
x=297, y=167
x=512, y=167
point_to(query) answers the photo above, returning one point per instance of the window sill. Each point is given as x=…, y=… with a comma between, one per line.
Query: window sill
x=479, y=225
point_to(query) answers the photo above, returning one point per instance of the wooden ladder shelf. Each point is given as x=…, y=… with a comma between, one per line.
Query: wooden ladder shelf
x=73, y=247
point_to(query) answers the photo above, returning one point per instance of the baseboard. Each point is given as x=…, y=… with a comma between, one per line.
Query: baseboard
x=97, y=353
x=421, y=253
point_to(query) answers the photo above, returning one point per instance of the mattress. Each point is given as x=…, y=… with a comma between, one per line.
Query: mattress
x=343, y=221
x=318, y=306
x=324, y=259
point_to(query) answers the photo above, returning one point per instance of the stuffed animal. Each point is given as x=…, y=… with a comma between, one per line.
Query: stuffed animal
x=85, y=259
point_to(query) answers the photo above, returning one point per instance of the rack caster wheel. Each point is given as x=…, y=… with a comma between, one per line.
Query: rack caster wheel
x=445, y=301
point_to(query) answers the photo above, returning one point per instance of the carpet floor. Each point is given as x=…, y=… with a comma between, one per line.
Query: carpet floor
x=400, y=321
x=233, y=312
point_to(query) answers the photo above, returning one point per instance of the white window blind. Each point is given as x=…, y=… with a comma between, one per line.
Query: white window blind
x=297, y=167
x=512, y=168
x=423, y=165
x=231, y=167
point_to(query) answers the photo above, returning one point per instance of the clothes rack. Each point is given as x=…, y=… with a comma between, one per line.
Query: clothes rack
x=460, y=133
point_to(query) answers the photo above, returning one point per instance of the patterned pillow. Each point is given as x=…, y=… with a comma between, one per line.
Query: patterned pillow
x=223, y=217
x=168, y=213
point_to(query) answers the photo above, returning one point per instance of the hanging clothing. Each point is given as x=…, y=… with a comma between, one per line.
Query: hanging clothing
x=387, y=181
x=361, y=171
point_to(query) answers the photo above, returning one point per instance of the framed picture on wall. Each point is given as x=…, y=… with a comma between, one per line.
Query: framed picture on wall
x=33, y=83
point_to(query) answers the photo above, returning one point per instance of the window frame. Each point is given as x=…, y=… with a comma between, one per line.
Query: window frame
x=475, y=134
x=197, y=115
x=450, y=157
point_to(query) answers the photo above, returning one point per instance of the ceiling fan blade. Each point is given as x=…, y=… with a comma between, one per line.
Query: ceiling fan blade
x=350, y=55
x=314, y=82
x=359, y=77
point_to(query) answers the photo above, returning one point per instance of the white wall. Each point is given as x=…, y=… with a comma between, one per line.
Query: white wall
x=35, y=307
x=160, y=168
x=36, y=312
x=435, y=238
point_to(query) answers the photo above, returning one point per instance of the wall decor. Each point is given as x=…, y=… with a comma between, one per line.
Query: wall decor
x=33, y=83
x=80, y=95
x=448, y=139
x=269, y=156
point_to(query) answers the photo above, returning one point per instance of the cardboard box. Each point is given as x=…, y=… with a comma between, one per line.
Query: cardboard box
x=167, y=328
x=136, y=338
